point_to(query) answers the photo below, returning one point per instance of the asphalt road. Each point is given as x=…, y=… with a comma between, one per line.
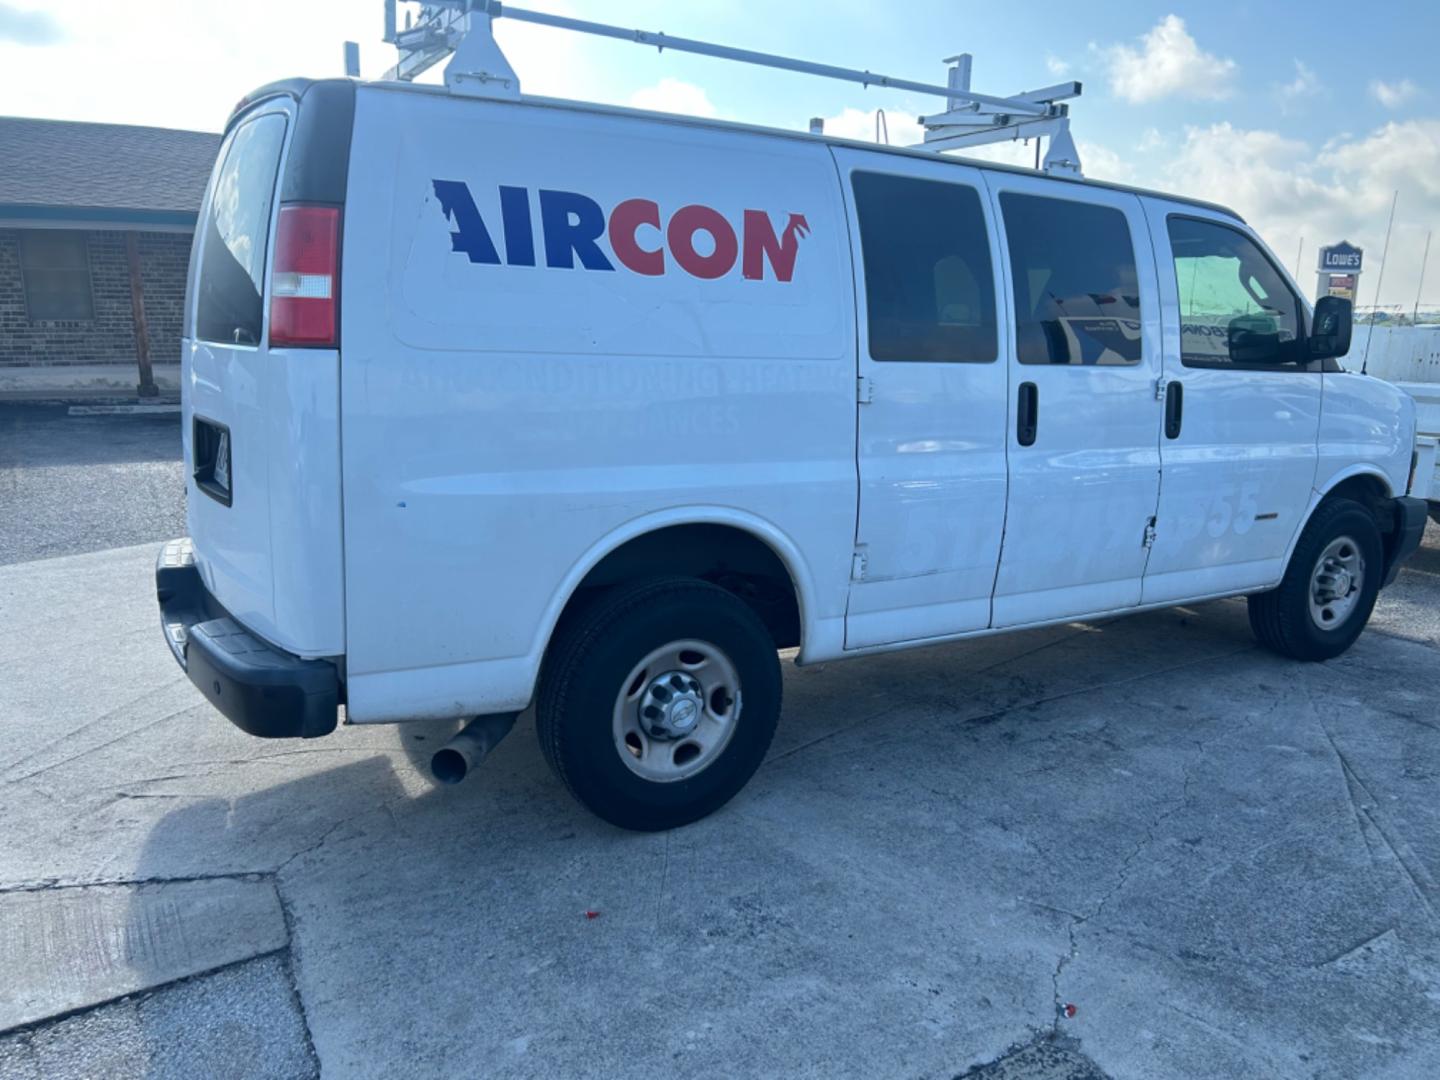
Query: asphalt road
x=1225, y=862
x=85, y=483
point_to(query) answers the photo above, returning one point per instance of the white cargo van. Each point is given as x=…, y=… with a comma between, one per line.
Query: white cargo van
x=493, y=403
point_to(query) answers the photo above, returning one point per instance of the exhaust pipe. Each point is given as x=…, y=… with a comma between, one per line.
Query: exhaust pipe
x=453, y=761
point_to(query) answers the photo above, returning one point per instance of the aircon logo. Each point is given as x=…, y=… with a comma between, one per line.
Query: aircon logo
x=572, y=225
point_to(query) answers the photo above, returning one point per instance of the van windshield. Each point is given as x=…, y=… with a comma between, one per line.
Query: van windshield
x=229, y=306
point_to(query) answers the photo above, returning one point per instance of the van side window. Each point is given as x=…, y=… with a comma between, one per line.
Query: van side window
x=1077, y=293
x=1232, y=300
x=229, y=308
x=929, y=282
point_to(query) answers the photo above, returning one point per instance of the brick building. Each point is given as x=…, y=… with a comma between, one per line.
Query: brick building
x=95, y=229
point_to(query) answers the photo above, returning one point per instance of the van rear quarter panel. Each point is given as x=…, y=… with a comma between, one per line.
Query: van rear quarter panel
x=500, y=421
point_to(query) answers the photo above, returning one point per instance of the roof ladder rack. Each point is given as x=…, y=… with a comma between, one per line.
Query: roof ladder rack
x=479, y=68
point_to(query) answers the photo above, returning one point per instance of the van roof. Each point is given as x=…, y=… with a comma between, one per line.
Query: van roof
x=296, y=87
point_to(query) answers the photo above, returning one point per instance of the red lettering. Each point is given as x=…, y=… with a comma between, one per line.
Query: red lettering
x=680, y=235
x=761, y=244
x=625, y=219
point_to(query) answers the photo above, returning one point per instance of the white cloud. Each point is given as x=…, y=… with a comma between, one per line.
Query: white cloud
x=675, y=96
x=218, y=52
x=1098, y=161
x=1151, y=139
x=1253, y=171
x=1102, y=163
x=860, y=124
x=1289, y=190
x=28, y=27
x=1168, y=62
x=1057, y=67
x=1014, y=152
x=1393, y=95
x=1306, y=84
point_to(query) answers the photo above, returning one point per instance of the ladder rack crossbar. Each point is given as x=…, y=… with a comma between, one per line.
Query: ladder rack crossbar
x=497, y=10
x=478, y=67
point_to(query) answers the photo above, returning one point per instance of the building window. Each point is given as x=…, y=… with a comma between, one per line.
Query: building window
x=55, y=266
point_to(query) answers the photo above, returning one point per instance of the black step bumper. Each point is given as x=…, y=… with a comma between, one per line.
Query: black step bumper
x=1410, y=517
x=261, y=689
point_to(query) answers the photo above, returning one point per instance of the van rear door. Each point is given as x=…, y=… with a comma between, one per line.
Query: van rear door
x=260, y=421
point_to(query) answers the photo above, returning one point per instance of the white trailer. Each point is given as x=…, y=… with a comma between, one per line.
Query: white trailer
x=1409, y=357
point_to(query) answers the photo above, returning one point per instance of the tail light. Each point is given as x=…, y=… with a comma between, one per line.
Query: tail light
x=305, y=279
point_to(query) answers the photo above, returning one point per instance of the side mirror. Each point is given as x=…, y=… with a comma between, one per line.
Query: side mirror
x=1254, y=339
x=1331, y=328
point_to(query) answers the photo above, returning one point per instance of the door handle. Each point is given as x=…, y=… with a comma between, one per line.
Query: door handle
x=1174, y=408
x=1027, y=414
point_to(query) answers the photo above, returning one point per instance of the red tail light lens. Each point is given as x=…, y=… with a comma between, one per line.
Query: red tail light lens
x=305, y=278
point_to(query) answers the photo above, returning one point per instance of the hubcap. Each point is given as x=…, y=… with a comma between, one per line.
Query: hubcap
x=676, y=711
x=1336, y=582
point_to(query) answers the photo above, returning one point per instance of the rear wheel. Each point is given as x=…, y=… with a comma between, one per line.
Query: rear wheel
x=1329, y=589
x=659, y=701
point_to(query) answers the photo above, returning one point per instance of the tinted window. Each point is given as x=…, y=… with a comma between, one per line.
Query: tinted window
x=1228, y=287
x=55, y=266
x=929, y=285
x=236, y=232
x=1077, y=295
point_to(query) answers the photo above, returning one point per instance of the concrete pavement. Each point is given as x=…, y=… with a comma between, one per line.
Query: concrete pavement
x=84, y=382
x=85, y=483
x=1226, y=863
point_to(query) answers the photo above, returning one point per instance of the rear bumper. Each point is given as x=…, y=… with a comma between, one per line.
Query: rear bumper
x=1410, y=517
x=260, y=689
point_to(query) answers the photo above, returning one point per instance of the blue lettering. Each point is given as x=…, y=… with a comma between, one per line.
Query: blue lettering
x=515, y=218
x=572, y=224
x=470, y=235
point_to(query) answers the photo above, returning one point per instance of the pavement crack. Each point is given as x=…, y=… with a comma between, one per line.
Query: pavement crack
x=783, y=754
x=1014, y=706
x=70, y=735
x=1350, y=950
x=660, y=894
x=290, y=963
x=109, y=742
x=56, y=884
x=1122, y=877
x=55, y=1018
x=1367, y=813
x=316, y=846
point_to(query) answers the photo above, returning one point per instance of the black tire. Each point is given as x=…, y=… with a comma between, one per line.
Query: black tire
x=594, y=653
x=1281, y=618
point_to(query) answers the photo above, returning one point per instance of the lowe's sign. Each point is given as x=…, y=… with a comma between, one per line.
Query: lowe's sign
x=1342, y=258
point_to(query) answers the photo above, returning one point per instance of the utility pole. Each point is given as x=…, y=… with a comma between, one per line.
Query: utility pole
x=1298, y=252
x=1415, y=315
x=1378, y=279
x=146, y=386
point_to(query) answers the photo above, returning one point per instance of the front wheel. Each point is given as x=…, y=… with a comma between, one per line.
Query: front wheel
x=1329, y=589
x=659, y=701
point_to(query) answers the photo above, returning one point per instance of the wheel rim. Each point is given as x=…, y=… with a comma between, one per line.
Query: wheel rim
x=676, y=711
x=1336, y=583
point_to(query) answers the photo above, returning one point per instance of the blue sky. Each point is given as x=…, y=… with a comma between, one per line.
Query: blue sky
x=1304, y=116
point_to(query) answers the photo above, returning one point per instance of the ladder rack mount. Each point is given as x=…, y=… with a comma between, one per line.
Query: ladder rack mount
x=461, y=30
